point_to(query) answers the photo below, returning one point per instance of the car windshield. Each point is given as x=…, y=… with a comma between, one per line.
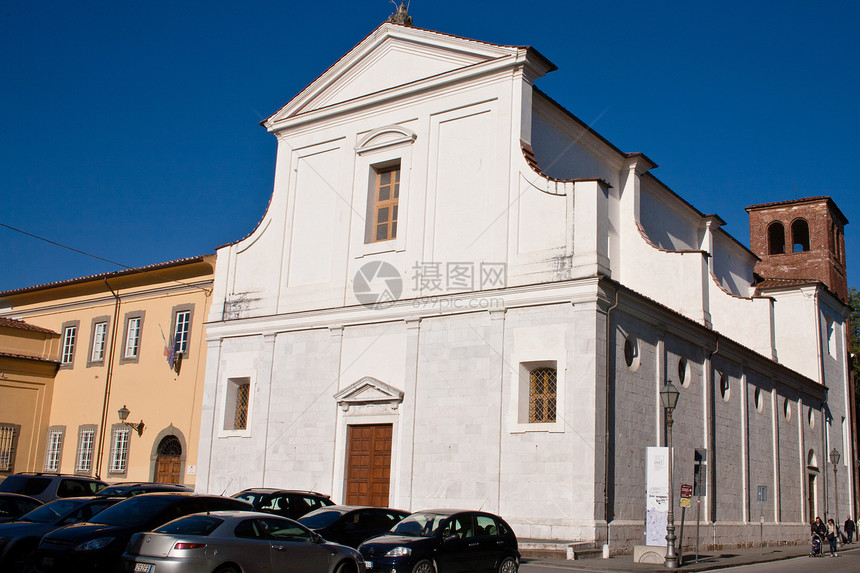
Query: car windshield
x=26, y=485
x=134, y=511
x=192, y=525
x=50, y=512
x=420, y=525
x=114, y=490
x=320, y=518
x=255, y=499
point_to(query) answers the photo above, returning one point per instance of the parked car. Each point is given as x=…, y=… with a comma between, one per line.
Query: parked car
x=14, y=505
x=350, y=525
x=233, y=541
x=18, y=539
x=97, y=545
x=130, y=489
x=48, y=487
x=284, y=502
x=444, y=541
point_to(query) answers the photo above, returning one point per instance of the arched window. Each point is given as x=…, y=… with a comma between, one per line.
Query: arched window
x=800, y=236
x=775, y=238
x=170, y=446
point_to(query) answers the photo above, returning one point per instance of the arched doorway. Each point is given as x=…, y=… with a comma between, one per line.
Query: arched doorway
x=168, y=465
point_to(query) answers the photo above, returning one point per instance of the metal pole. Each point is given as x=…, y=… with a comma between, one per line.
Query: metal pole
x=698, y=518
x=671, y=556
x=835, y=494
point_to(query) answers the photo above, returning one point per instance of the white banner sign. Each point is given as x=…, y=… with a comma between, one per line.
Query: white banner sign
x=657, y=503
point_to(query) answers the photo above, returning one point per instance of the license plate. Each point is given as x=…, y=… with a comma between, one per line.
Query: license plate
x=144, y=568
x=368, y=564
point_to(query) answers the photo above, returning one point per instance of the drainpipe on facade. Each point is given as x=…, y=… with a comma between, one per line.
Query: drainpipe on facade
x=821, y=380
x=108, y=379
x=712, y=474
x=608, y=429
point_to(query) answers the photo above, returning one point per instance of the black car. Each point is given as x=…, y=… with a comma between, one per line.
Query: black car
x=132, y=489
x=350, y=525
x=14, y=505
x=48, y=487
x=18, y=539
x=97, y=545
x=444, y=541
x=284, y=502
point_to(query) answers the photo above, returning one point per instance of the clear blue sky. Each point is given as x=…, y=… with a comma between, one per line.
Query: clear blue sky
x=130, y=130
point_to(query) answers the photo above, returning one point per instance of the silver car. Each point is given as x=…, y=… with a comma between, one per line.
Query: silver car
x=234, y=542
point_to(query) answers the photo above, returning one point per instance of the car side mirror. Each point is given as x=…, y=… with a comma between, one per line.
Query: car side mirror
x=317, y=538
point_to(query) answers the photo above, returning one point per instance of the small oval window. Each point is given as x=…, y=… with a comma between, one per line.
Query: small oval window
x=631, y=352
x=683, y=372
x=810, y=417
x=724, y=387
x=758, y=402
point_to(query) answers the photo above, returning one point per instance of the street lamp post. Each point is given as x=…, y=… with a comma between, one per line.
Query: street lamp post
x=834, y=459
x=669, y=399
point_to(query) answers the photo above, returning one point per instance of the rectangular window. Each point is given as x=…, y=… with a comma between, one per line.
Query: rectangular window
x=70, y=334
x=119, y=449
x=182, y=330
x=543, y=386
x=99, y=336
x=385, y=201
x=54, y=450
x=86, y=443
x=132, y=339
x=241, y=417
x=8, y=441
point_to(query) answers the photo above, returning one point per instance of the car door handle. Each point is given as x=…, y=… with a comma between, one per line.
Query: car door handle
x=502, y=542
x=280, y=547
x=473, y=545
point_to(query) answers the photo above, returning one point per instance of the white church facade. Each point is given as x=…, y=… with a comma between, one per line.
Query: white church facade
x=462, y=296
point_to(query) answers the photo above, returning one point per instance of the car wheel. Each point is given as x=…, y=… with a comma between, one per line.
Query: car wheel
x=508, y=566
x=424, y=567
x=228, y=569
x=345, y=567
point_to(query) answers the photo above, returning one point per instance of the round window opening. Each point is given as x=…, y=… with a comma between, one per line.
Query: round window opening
x=786, y=409
x=758, y=404
x=724, y=387
x=683, y=372
x=810, y=417
x=631, y=352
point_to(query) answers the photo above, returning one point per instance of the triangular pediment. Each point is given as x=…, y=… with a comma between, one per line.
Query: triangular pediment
x=391, y=57
x=368, y=390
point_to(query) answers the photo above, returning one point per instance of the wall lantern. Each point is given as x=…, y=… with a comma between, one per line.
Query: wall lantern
x=123, y=416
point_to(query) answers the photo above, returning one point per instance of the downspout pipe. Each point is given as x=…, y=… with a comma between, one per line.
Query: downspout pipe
x=108, y=379
x=712, y=396
x=606, y=414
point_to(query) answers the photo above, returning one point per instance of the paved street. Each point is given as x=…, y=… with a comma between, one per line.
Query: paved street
x=774, y=561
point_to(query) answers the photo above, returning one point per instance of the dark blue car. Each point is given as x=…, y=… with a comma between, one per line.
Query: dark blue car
x=444, y=541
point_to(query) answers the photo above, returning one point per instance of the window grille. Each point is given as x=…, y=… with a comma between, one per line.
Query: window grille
x=119, y=451
x=85, y=450
x=52, y=459
x=242, y=395
x=7, y=448
x=69, y=335
x=543, y=385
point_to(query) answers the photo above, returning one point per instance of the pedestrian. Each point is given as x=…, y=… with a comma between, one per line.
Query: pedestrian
x=832, y=537
x=849, y=528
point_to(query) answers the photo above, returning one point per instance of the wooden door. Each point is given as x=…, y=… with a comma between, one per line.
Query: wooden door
x=168, y=464
x=368, y=465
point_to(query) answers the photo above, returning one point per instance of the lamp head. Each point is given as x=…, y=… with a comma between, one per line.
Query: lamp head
x=834, y=456
x=669, y=395
x=123, y=413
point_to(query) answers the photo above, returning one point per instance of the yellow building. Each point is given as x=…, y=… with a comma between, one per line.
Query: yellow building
x=129, y=340
x=28, y=363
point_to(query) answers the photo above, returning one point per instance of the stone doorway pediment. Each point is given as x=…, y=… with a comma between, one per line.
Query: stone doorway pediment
x=369, y=391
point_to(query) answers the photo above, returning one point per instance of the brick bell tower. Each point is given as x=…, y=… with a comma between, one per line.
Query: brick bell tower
x=801, y=239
